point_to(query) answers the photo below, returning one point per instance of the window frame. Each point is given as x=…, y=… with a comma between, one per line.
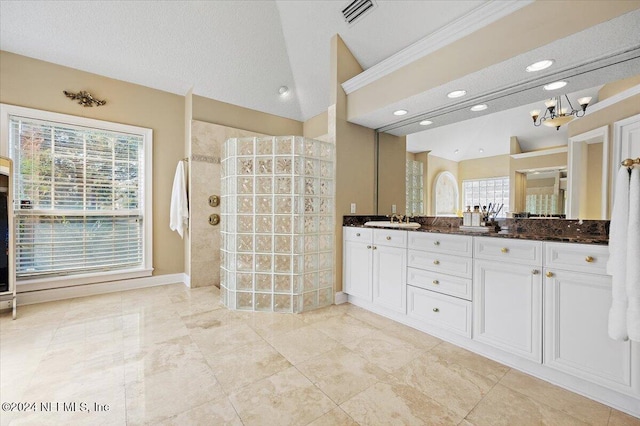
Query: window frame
x=57, y=281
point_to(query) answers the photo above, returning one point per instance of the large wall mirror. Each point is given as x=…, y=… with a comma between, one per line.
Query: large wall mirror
x=527, y=169
x=7, y=254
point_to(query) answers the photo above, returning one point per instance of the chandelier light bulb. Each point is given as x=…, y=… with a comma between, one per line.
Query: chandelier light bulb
x=549, y=103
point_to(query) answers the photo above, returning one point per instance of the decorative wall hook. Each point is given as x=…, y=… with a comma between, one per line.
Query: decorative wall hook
x=84, y=98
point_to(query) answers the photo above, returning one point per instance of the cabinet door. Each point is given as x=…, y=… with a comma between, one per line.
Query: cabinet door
x=576, y=338
x=390, y=278
x=507, y=307
x=357, y=269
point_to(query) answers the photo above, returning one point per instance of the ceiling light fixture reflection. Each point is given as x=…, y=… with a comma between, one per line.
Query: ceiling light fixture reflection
x=480, y=107
x=555, y=115
x=540, y=65
x=555, y=85
x=456, y=94
x=426, y=122
x=283, y=90
x=400, y=112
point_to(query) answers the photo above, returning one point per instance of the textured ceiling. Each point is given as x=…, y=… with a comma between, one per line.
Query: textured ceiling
x=238, y=52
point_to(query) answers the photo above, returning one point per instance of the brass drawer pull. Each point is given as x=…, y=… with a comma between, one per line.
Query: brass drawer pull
x=504, y=250
x=436, y=282
x=436, y=243
x=368, y=247
x=535, y=272
x=388, y=238
x=358, y=234
x=549, y=274
x=589, y=259
x=436, y=262
x=436, y=310
x=375, y=248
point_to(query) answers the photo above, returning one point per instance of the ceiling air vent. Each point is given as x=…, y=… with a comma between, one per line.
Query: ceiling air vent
x=357, y=9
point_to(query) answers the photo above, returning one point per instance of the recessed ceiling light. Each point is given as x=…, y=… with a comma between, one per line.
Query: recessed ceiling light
x=400, y=112
x=480, y=107
x=540, y=65
x=456, y=151
x=481, y=150
x=456, y=94
x=426, y=122
x=555, y=85
x=283, y=90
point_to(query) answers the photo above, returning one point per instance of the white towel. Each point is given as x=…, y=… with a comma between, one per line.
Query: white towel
x=617, y=265
x=179, y=215
x=633, y=257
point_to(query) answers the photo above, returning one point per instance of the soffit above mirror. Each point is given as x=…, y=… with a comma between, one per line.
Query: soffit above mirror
x=602, y=53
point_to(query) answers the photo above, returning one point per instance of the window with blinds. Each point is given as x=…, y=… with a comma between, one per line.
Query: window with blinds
x=79, y=197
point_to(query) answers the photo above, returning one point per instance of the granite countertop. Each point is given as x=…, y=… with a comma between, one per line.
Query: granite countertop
x=557, y=230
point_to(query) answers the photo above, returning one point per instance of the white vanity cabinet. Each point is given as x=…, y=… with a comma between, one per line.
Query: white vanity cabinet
x=358, y=262
x=577, y=298
x=439, y=286
x=376, y=266
x=507, y=295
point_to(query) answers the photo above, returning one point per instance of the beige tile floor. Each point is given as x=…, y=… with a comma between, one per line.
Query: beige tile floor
x=173, y=356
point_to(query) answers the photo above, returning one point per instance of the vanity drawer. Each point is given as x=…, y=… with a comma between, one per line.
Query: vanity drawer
x=586, y=258
x=441, y=263
x=390, y=238
x=460, y=245
x=446, y=284
x=508, y=250
x=364, y=235
x=447, y=312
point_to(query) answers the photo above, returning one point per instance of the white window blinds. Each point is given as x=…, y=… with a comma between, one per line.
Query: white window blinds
x=79, y=195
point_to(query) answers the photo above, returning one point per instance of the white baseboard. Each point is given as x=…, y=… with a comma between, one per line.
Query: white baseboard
x=61, y=293
x=340, y=298
x=186, y=279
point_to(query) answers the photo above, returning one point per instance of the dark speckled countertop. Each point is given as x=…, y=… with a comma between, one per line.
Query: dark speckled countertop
x=559, y=230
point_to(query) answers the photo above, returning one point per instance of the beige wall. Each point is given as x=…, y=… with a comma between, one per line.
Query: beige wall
x=224, y=114
x=594, y=182
x=530, y=27
x=355, y=149
x=435, y=166
x=611, y=89
x=487, y=167
x=316, y=127
x=36, y=84
x=392, y=155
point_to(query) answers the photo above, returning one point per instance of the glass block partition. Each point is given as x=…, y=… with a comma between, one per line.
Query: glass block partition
x=277, y=224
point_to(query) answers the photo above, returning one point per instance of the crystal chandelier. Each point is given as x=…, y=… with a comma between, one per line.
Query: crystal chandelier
x=556, y=115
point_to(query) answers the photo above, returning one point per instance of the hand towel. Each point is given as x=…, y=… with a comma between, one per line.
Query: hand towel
x=617, y=264
x=179, y=214
x=633, y=257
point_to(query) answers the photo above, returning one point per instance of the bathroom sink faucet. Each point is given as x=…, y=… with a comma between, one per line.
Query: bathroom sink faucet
x=400, y=217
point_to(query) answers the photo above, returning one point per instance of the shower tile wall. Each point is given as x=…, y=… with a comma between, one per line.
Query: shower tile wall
x=204, y=175
x=278, y=222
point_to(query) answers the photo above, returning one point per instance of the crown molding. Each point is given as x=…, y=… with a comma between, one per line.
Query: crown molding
x=541, y=153
x=478, y=18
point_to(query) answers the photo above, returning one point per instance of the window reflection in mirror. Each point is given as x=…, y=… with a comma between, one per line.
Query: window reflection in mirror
x=546, y=192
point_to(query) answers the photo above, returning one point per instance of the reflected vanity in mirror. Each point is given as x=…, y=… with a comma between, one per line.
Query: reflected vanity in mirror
x=7, y=258
x=543, y=171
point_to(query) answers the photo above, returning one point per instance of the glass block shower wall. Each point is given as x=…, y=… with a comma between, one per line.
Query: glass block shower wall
x=277, y=224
